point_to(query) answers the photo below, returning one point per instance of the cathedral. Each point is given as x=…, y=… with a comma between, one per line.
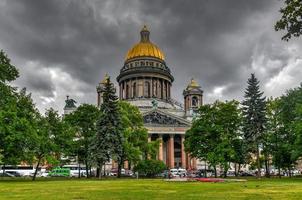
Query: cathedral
x=145, y=80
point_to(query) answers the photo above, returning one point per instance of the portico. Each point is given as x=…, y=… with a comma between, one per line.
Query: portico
x=171, y=150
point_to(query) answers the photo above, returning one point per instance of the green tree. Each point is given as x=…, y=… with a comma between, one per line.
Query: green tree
x=8, y=72
x=134, y=134
x=83, y=120
x=229, y=119
x=291, y=20
x=8, y=99
x=290, y=104
x=17, y=123
x=108, y=141
x=254, y=119
x=214, y=133
x=53, y=139
x=202, y=137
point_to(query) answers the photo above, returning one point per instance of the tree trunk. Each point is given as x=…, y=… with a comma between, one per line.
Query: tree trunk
x=37, y=167
x=236, y=170
x=239, y=166
x=215, y=171
x=100, y=170
x=258, y=162
x=79, y=170
x=119, y=167
x=267, y=173
x=3, y=168
x=205, y=170
x=104, y=169
x=289, y=172
x=225, y=170
x=279, y=171
x=129, y=165
x=86, y=165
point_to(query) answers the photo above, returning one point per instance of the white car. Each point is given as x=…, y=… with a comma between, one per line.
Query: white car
x=182, y=172
x=174, y=172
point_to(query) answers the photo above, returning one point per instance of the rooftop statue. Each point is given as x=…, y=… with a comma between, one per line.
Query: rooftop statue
x=70, y=103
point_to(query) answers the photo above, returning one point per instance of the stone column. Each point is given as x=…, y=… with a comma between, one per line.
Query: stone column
x=144, y=87
x=160, y=150
x=131, y=90
x=171, y=150
x=183, y=153
x=151, y=87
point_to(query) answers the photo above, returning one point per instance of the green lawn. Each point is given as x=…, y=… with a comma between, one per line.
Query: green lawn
x=149, y=189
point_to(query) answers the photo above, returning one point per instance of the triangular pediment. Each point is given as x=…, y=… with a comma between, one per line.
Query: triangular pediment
x=161, y=118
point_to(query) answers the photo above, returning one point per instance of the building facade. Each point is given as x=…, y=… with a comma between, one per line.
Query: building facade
x=146, y=81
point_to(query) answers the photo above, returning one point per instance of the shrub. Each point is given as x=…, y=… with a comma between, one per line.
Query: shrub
x=149, y=168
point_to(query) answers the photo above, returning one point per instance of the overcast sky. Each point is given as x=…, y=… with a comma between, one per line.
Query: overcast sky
x=65, y=47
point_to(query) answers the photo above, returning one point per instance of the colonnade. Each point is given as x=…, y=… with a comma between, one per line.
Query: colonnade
x=145, y=87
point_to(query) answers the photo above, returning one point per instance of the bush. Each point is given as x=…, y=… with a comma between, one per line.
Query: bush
x=149, y=168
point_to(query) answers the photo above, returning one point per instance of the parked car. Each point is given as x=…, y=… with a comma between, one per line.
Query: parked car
x=181, y=172
x=246, y=174
x=59, y=171
x=14, y=173
x=113, y=172
x=174, y=172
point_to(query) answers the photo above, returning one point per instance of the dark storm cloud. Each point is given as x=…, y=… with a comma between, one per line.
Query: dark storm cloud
x=68, y=46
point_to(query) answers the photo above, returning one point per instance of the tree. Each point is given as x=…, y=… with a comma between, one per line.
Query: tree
x=202, y=137
x=254, y=119
x=108, y=141
x=290, y=105
x=213, y=134
x=8, y=72
x=229, y=119
x=291, y=20
x=17, y=125
x=84, y=121
x=134, y=134
x=53, y=139
x=17, y=116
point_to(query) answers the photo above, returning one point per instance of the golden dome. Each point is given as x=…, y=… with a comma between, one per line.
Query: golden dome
x=193, y=84
x=106, y=77
x=145, y=47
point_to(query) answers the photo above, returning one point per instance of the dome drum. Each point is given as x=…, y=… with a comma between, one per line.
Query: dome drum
x=145, y=87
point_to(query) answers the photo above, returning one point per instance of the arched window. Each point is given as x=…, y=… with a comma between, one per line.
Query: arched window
x=147, y=89
x=134, y=90
x=194, y=101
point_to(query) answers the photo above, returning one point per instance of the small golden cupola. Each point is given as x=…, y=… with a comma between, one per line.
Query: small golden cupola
x=145, y=48
x=101, y=88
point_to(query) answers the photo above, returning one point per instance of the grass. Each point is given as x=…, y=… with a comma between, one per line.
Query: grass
x=149, y=189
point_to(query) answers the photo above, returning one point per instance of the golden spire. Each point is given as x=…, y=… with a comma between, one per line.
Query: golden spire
x=145, y=28
x=145, y=48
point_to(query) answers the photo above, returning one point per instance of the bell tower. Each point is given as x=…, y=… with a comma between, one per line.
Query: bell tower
x=192, y=98
x=100, y=90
